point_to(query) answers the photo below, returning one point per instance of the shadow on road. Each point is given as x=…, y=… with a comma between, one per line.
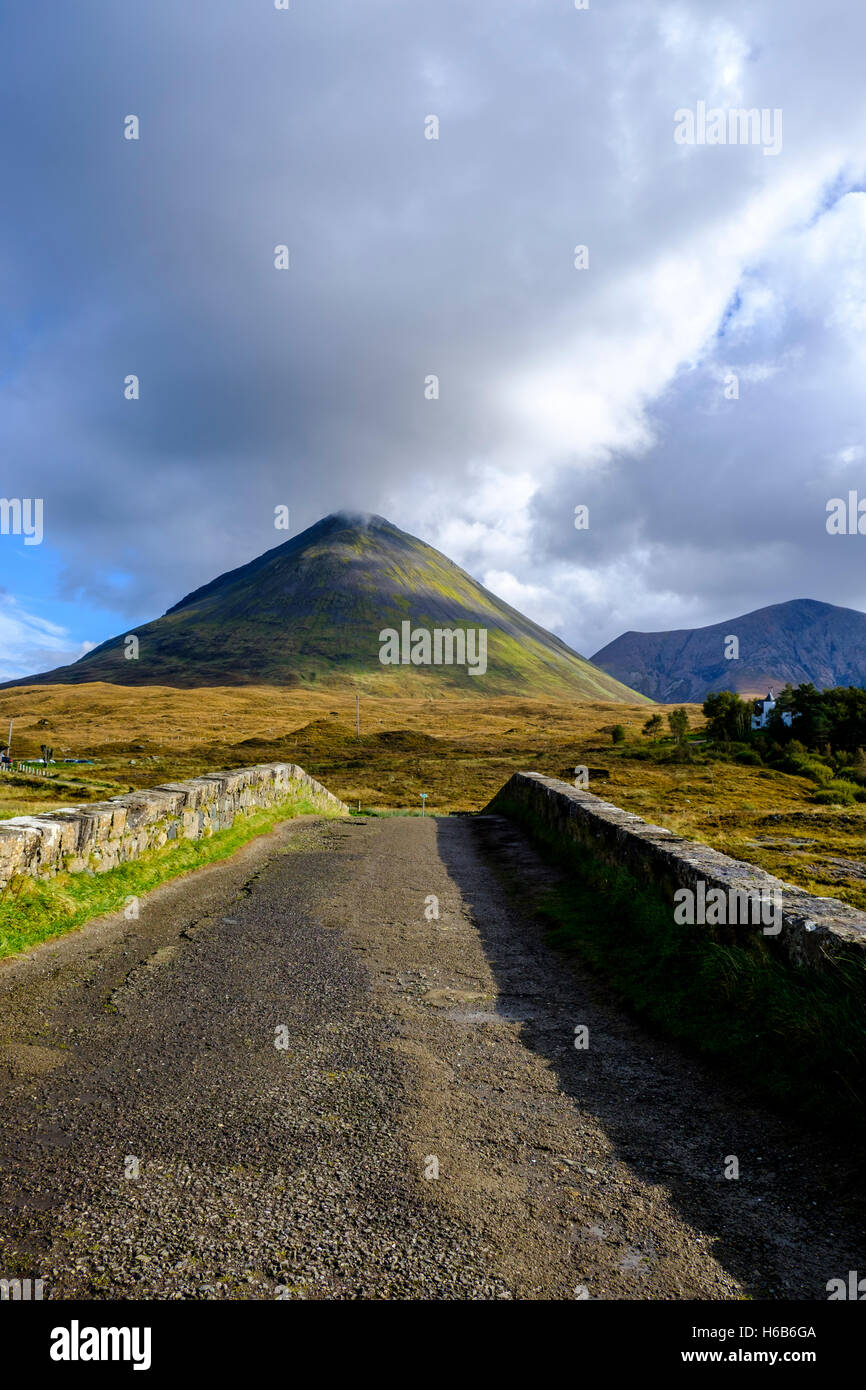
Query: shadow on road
x=794, y=1218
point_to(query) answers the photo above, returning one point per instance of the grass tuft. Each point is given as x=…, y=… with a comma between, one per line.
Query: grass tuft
x=795, y=1035
x=34, y=910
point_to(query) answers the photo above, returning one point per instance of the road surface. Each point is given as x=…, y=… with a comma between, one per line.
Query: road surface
x=289, y=1079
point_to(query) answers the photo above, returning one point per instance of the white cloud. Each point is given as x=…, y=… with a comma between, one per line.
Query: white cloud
x=29, y=644
x=532, y=599
x=410, y=256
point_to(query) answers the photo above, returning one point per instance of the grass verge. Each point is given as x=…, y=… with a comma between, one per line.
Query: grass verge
x=796, y=1036
x=34, y=910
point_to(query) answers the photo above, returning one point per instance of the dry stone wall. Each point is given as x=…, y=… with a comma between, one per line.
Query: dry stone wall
x=103, y=834
x=812, y=931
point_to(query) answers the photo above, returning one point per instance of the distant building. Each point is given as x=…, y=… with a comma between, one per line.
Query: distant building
x=764, y=708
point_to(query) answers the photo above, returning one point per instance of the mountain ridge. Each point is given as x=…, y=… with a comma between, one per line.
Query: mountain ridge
x=310, y=611
x=798, y=641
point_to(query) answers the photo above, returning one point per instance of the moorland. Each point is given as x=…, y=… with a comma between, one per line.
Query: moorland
x=458, y=751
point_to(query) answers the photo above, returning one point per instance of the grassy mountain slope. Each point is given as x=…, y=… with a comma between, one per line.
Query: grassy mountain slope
x=309, y=613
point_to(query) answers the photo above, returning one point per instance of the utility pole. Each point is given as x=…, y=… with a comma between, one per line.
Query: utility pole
x=358, y=716
x=9, y=748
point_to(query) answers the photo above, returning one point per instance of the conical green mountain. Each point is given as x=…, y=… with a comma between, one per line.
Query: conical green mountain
x=310, y=613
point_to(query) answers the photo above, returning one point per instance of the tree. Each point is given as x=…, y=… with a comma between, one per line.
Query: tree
x=654, y=725
x=728, y=717
x=617, y=733
x=678, y=719
x=843, y=722
x=811, y=711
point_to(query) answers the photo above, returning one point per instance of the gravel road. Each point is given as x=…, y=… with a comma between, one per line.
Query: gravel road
x=289, y=1078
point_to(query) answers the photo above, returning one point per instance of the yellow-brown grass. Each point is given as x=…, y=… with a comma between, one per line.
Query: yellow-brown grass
x=456, y=750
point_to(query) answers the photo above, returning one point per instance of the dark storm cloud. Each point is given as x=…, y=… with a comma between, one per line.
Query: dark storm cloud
x=452, y=257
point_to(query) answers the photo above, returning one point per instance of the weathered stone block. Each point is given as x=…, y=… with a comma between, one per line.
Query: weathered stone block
x=101, y=835
x=812, y=931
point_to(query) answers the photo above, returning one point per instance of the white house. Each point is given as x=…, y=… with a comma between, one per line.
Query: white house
x=763, y=710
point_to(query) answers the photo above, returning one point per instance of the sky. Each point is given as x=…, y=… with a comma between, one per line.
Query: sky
x=696, y=380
